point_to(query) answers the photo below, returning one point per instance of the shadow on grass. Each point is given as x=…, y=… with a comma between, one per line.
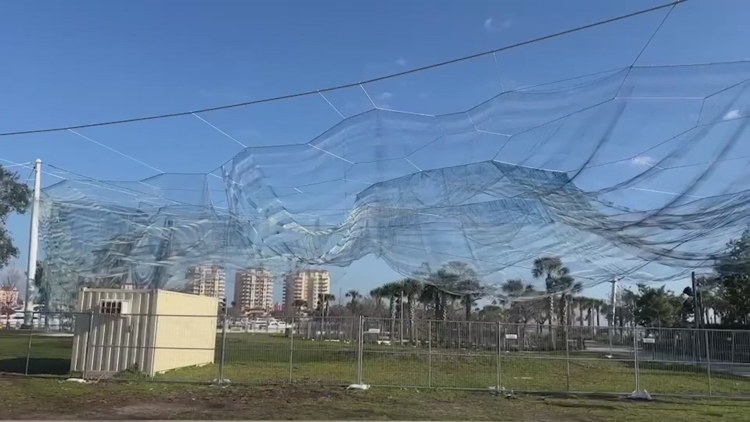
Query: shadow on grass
x=37, y=366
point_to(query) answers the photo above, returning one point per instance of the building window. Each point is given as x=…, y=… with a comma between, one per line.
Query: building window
x=110, y=307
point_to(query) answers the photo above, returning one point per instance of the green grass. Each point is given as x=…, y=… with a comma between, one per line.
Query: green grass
x=29, y=398
x=265, y=359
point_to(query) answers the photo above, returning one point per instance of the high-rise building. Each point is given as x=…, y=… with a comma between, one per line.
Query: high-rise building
x=253, y=290
x=305, y=285
x=206, y=280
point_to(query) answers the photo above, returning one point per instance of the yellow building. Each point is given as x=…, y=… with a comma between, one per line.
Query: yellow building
x=150, y=331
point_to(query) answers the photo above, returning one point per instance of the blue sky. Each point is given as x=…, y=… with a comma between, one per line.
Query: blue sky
x=87, y=61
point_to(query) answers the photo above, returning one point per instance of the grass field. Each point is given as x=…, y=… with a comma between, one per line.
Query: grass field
x=33, y=398
x=265, y=359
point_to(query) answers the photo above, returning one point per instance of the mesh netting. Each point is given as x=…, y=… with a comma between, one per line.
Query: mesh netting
x=562, y=169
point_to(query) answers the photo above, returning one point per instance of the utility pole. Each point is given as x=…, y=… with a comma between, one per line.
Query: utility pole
x=28, y=314
x=612, y=318
x=696, y=318
x=697, y=313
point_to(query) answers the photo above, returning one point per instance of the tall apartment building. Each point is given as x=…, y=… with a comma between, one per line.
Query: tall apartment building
x=206, y=280
x=253, y=290
x=305, y=285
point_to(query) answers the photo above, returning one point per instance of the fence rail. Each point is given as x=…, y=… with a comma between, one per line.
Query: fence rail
x=386, y=352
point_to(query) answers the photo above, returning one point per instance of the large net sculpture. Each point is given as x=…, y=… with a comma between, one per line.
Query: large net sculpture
x=554, y=169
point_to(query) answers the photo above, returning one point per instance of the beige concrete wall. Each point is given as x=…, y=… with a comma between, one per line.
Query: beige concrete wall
x=185, y=330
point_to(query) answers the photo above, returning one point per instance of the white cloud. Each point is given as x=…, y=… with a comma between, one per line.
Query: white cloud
x=491, y=25
x=643, y=160
x=400, y=62
x=488, y=24
x=382, y=99
x=732, y=114
x=385, y=96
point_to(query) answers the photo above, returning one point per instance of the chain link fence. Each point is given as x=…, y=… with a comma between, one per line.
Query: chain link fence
x=390, y=352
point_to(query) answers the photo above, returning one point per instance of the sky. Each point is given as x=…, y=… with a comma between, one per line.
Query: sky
x=80, y=62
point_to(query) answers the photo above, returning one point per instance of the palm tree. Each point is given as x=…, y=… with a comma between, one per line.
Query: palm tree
x=354, y=296
x=393, y=292
x=558, y=281
x=598, y=306
x=432, y=296
x=515, y=289
x=461, y=278
x=324, y=301
x=377, y=296
x=411, y=288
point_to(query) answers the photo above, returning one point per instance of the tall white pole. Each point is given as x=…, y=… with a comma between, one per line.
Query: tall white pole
x=33, y=246
x=612, y=318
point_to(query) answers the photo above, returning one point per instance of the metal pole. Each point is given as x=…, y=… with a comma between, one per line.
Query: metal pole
x=291, y=351
x=696, y=311
x=612, y=317
x=28, y=353
x=696, y=321
x=360, y=349
x=638, y=394
x=87, y=351
x=708, y=364
x=223, y=343
x=635, y=361
x=499, y=367
x=429, y=353
x=401, y=325
x=567, y=358
x=28, y=305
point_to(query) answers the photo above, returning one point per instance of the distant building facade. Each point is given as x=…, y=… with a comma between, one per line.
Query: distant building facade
x=305, y=285
x=253, y=290
x=206, y=280
x=9, y=297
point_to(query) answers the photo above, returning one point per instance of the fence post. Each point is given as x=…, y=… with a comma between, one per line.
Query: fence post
x=291, y=351
x=498, y=364
x=429, y=353
x=566, y=328
x=708, y=363
x=638, y=393
x=28, y=352
x=87, y=348
x=360, y=348
x=223, y=345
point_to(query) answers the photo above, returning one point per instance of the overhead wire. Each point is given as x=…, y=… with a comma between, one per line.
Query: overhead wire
x=317, y=91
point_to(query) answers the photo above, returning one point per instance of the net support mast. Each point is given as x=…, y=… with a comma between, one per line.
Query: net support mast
x=33, y=246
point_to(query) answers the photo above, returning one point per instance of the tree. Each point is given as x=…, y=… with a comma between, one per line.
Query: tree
x=733, y=271
x=517, y=295
x=465, y=284
x=411, y=289
x=377, y=295
x=324, y=302
x=656, y=307
x=14, y=197
x=558, y=281
x=393, y=292
x=353, y=305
